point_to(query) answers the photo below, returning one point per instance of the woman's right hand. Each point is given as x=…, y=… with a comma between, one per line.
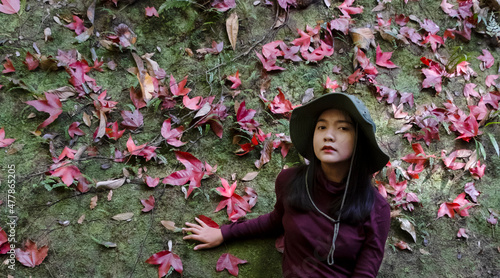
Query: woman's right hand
x=210, y=237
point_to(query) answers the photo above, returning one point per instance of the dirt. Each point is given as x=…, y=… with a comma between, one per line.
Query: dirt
x=74, y=249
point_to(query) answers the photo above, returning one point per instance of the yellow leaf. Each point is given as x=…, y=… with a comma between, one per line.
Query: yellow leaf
x=232, y=29
x=127, y=216
x=147, y=86
x=93, y=202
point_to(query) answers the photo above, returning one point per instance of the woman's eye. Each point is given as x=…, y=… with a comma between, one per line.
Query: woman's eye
x=321, y=127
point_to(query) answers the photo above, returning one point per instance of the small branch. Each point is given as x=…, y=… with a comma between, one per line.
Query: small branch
x=239, y=55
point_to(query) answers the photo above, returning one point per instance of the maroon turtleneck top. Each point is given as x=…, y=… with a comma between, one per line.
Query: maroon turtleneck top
x=308, y=235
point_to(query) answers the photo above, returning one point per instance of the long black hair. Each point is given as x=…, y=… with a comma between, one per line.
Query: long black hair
x=360, y=194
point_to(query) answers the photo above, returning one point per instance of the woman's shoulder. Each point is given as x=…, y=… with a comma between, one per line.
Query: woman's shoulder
x=380, y=204
x=288, y=174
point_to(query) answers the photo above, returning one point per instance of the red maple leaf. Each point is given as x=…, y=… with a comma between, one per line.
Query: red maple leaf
x=73, y=130
x=470, y=189
x=411, y=34
x=165, y=259
x=10, y=6
x=8, y=66
x=448, y=8
x=148, y=203
x=235, y=79
x=151, y=11
x=432, y=79
x=429, y=26
x=244, y=117
x=447, y=208
x=102, y=104
x=51, y=105
x=30, y=61
x=271, y=51
x=216, y=48
x=464, y=69
x=280, y=105
x=332, y=85
x=223, y=5
x=284, y=142
x=193, y=173
x=5, y=142
x=490, y=80
x=229, y=262
x=347, y=10
x=67, y=173
x=464, y=9
x=304, y=41
x=382, y=59
x=172, y=136
x=207, y=220
x=434, y=40
x=4, y=242
x=469, y=90
x=468, y=129
x=236, y=206
x=290, y=53
x=365, y=63
x=31, y=255
x=459, y=205
x=319, y=53
x=247, y=147
x=449, y=161
x=113, y=132
x=486, y=59
x=418, y=159
x=192, y=103
x=76, y=25
x=151, y=182
x=268, y=64
x=178, y=89
x=132, y=120
x=341, y=24
x=214, y=117
x=477, y=172
x=67, y=152
x=492, y=98
x=480, y=111
x=137, y=99
x=449, y=33
x=147, y=152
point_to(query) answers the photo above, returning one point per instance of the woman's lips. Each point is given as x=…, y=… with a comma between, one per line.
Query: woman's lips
x=328, y=149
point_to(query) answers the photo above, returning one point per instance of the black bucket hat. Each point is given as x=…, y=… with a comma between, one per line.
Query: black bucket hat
x=303, y=119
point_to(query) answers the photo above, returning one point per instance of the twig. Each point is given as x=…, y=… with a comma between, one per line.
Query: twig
x=239, y=55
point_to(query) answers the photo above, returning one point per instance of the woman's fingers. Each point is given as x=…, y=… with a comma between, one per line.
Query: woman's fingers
x=193, y=225
x=201, y=222
x=201, y=246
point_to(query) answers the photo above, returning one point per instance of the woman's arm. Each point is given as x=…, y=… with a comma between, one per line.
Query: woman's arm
x=267, y=224
x=372, y=252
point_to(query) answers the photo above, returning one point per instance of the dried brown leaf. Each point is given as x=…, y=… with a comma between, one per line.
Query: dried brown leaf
x=126, y=216
x=232, y=29
x=250, y=176
x=80, y=220
x=110, y=184
x=408, y=227
x=63, y=93
x=93, y=202
x=110, y=195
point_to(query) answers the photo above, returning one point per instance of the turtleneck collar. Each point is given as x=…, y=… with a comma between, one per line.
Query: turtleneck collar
x=330, y=186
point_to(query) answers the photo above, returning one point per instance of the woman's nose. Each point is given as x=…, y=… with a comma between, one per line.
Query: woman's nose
x=329, y=136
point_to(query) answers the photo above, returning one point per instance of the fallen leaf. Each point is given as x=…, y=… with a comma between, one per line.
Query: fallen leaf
x=151, y=11
x=51, y=105
x=80, y=220
x=126, y=216
x=170, y=225
x=462, y=233
x=232, y=29
x=111, y=184
x=207, y=220
x=148, y=204
x=110, y=195
x=408, y=227
x=402, y=245
x=165, y=259
x=31, y=255
x=93, y=202
x=4, y=142
x=250, y=176
x=229, y=262
x=10, y=6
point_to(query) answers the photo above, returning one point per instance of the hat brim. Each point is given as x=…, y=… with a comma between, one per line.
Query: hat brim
x=304, y=118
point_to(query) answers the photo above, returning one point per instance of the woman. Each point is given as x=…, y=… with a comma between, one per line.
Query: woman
x=335, y=223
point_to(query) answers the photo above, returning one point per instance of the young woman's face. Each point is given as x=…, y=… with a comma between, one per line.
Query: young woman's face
x=333, y=140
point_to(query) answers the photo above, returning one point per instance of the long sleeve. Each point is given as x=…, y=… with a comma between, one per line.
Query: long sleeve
x=372, y=251
x=269, y=224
